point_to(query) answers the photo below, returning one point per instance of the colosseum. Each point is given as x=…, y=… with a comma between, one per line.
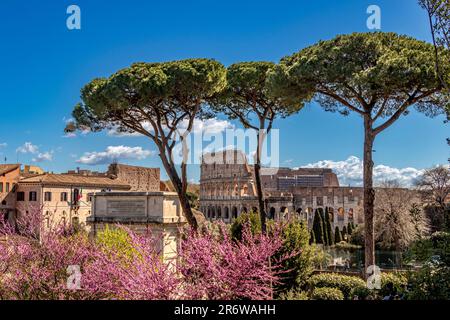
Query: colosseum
x=227, y=189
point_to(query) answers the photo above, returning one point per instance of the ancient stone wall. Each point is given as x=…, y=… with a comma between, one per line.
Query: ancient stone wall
x=140, y=179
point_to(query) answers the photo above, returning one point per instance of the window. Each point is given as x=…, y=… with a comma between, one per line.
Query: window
x=20, y=196
x=33, y=196
x=7, y=187
x=63, y=196
x=76, y=196
x=47, y=196
x=1, y=187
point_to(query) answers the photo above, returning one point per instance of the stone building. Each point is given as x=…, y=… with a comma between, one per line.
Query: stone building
x=227, y=188
x=139, y=178
x=157, y=214
x=9, y=177
x=64, y=198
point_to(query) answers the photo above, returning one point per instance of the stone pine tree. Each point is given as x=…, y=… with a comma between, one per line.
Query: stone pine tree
x=246, y=99
x=318, y=228
x=378, y=76
x=337, y=235
x=157, y=100
x=438, y=12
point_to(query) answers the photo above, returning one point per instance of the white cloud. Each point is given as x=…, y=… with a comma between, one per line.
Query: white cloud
x=3, y=145
x=28, y=147
x=41, y=157
x=207, y=126
x=114, y=153
x=350, y=172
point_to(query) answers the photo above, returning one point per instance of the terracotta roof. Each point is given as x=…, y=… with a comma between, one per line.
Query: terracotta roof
x=76, y=180
x=5, y=168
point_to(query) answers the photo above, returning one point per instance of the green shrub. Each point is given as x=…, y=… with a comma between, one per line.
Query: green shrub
x=398, y=280
x=116, y=240
x=294, y=295
x=431, y=282
x=337, y=235
x=251, y=218
x=361, y=292
x=357, y=237
x=297, y=269
x=327, y=294
x=333, y=280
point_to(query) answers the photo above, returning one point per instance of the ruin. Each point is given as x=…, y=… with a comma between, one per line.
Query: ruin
x=227, y=189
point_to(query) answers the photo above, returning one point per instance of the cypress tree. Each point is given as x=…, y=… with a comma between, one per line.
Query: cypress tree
x=344, y=232
x=318, y=227
x=337, y=235
x=324, y=226
x=350, y=229
x=312, y=239
x=328, y=228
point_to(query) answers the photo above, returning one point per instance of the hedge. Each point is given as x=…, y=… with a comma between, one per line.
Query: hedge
x=327, y=294
x=333, y=280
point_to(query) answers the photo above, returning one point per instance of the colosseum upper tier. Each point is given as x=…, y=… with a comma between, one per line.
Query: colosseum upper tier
x=227, y=189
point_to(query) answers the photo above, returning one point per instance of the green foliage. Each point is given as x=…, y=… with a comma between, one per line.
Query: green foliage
x=431, y=282
x=328, y=228
x=397, y=280
x=297, y=269
x=361, y=292
x=333, y=280
x=193, y=199
x=357, y=237
x=116, y=240
x=294, y=295
x=349, y=229
x=372, y=64
x=318, y=228
x=327, y=294
x=344, y=232
x=337, y=235
x=436, y=246
x=312, y=238
x=251, y=218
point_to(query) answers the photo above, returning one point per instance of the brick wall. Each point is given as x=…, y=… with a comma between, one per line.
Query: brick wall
x=139, y=178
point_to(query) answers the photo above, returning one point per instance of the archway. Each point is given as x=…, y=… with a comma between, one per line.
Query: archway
x=226, y=213
x=272, y=213
x=219, y=213
x=234, y=212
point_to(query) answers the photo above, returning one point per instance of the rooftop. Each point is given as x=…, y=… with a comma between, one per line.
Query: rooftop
x=6, y=168
x=76, y=180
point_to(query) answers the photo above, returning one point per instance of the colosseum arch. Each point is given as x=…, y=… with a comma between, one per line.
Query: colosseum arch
x=219, y=213
x=272, y=213
x=234, y=212
x=226, y=213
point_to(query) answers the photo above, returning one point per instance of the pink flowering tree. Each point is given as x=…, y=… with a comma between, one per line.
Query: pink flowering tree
x=214, y=266
x=210, y=265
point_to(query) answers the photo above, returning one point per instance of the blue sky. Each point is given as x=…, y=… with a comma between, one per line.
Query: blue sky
x=44, y=65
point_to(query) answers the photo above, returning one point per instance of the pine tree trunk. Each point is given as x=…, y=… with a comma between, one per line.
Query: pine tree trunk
x=369, y=195
x=262, y=211
x=178, y=185
x=259, y=191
